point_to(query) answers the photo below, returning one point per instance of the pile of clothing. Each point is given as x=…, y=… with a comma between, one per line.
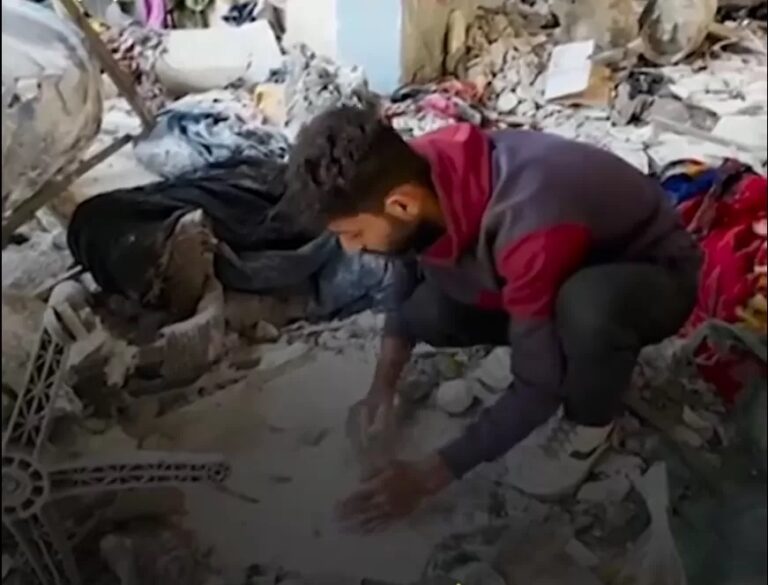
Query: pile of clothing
x=136, y=49
x=414, y=110
x=206, y=129
x=122, y=239
x=724, y=207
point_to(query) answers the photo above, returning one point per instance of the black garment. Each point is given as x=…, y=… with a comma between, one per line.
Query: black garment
x=605, y=315
x=120, y=237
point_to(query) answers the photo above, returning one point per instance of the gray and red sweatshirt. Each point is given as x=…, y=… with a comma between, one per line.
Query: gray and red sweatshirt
x=525, y=210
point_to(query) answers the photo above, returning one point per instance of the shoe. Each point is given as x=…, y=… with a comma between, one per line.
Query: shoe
x=556, y=458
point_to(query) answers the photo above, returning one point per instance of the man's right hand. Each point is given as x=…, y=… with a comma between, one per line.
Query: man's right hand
x=376, y=411
x=374, y=415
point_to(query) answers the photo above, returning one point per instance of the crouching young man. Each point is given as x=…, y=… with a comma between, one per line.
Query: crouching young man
x=556, y=248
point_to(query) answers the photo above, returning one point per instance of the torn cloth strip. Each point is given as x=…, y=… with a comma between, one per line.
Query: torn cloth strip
x=120, y=237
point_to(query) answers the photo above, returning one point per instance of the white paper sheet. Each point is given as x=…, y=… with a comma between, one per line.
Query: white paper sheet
x=569, y=69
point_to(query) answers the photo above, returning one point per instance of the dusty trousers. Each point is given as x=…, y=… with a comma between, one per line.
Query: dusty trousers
x=604, y=315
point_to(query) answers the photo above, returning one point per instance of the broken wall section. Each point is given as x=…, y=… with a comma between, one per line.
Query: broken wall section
x=425, y=32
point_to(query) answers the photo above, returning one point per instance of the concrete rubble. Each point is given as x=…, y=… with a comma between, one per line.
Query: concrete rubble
x=246, y=375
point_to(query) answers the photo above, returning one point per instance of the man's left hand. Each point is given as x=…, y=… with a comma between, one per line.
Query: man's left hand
x=395, y=492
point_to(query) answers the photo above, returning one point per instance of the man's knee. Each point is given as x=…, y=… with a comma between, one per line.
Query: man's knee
x=430, y=316
x=426, y=317
x=590, y=316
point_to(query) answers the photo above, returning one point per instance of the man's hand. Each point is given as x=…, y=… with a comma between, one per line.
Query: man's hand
x=395, y=492
x=375, y=412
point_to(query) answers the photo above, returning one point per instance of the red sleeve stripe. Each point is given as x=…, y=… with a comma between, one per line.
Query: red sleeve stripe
x=535, y=267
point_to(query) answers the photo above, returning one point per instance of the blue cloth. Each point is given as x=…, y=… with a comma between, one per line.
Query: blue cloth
x=194, y=134
x=681, y=187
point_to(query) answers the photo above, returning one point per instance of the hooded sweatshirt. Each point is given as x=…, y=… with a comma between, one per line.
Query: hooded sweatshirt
x=524, y=211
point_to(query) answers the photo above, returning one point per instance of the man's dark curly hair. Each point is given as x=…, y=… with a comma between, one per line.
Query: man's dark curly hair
x=345, y=161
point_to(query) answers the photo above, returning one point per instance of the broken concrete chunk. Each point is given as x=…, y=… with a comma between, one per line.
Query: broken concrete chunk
x=673, y=30
x=612, y=489
x=581, y=554
x=122, y=362
x=190, y=346
x=694, y=420
x=610, y=23
x=495, y=371
x=198, y=60
x=507, y=102
x=266, y=332
x=454, y=396
x=621, y=465
x=477, y=573
x=275, y=355
x=683, y=434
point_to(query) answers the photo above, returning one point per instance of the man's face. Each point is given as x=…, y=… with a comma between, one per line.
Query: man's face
x=375, y=233
x=400, y=227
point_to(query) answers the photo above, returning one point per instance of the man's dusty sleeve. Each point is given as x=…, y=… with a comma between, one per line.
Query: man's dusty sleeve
x=534, y=268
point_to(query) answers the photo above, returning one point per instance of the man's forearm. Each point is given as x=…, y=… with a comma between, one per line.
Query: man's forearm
x=499, y=428
x=394, y=356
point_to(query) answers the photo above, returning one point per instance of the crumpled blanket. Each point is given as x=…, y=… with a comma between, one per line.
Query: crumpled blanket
x=206, y=129
x=728, y=217
x=120, y=238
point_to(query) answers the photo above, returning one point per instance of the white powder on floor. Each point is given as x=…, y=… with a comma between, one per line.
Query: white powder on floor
x=288, y=448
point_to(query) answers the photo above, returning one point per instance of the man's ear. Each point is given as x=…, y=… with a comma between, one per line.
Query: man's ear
x=403, y=203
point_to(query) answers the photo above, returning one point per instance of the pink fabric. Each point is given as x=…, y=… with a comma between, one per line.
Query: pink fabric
x=154, y=13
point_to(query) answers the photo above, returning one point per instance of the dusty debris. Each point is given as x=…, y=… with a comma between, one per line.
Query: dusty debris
x=154, y=554
x=246, y=312
x=539, y=555
x=698, y=422
x=201, y=59
x=455, y=396
x=39, y=257
x=654, y=559
x=673, y=30
x=611, y=489
x=610, y=23
x=277, y=354
x=315, y=83
x=620, y=465
x=495, y=371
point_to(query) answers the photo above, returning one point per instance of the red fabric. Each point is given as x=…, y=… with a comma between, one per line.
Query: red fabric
x=535, y=267
x=727, y=372
x=490, y=300
x=460, y=158
x=734, y=245
x=731, y=249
